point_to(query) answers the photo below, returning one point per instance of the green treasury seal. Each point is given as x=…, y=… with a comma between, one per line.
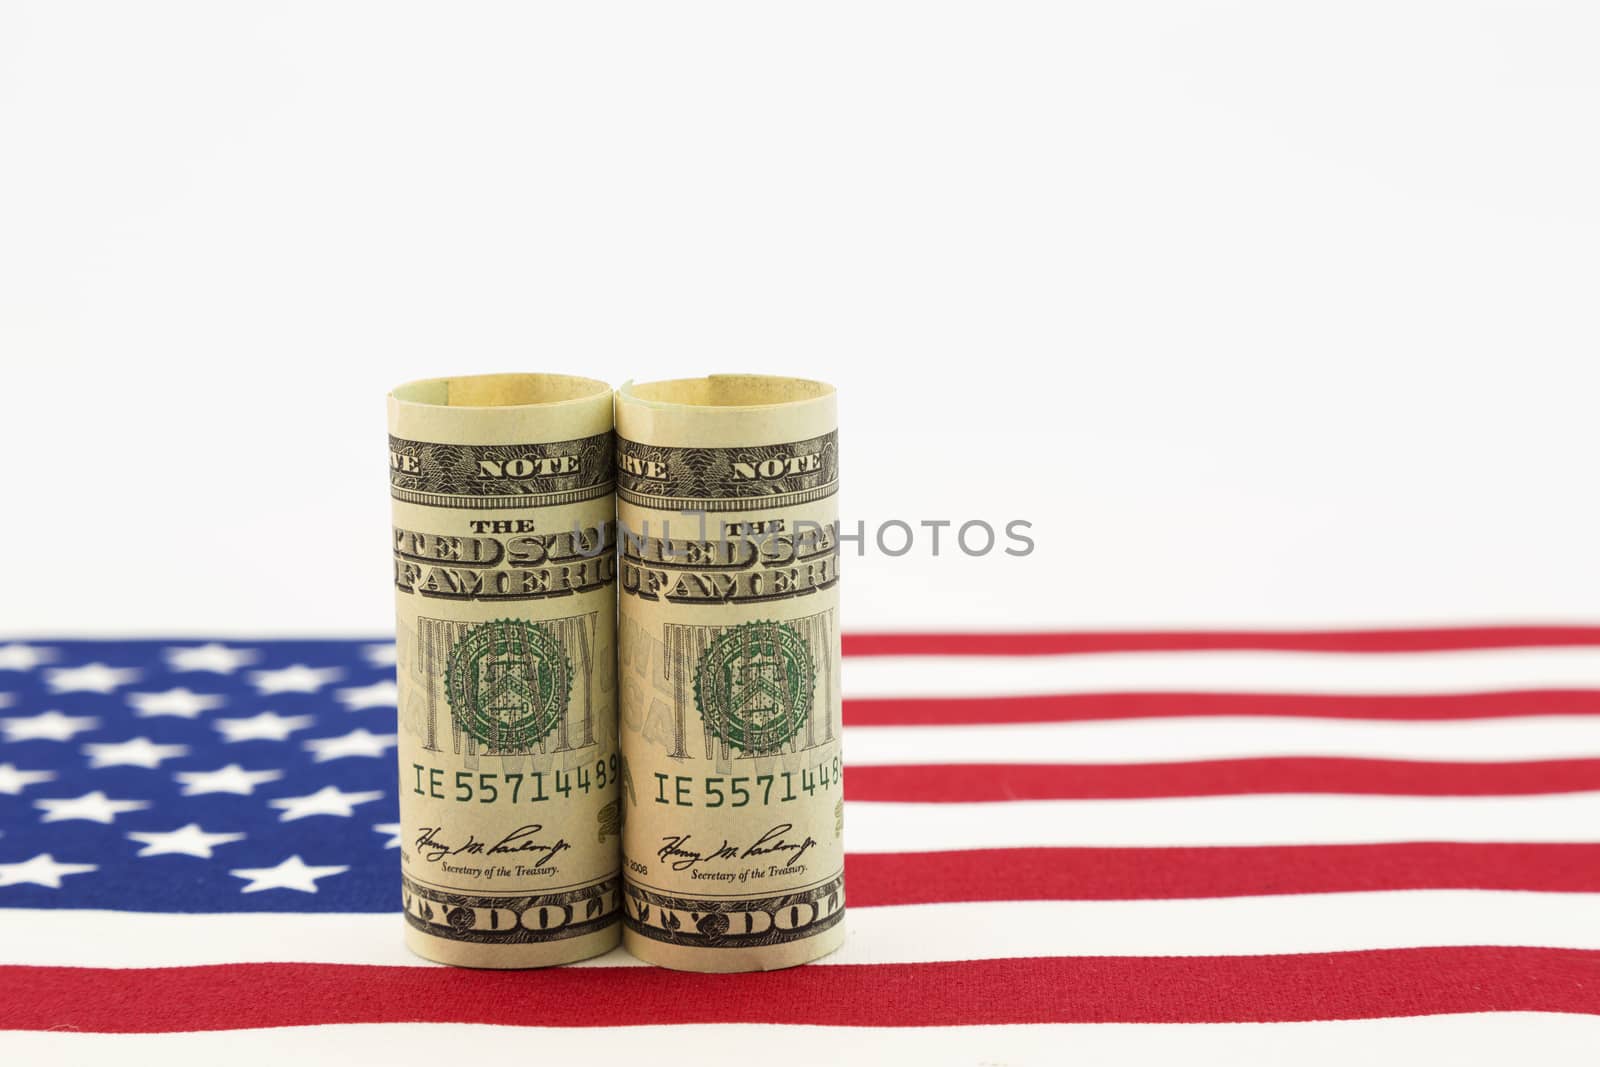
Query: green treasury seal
x=508, y=682
x=753, y=685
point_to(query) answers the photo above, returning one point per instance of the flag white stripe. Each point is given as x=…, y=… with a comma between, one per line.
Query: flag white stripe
x=1232, y=737
x=1477, y=1040
x=1477, y=670
x=1292, y=819
x=914, y=933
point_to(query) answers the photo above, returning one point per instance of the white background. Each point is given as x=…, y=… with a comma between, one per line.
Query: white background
x=1264, y=312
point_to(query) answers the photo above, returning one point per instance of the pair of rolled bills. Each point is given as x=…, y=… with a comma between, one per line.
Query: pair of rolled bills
x=618, y=662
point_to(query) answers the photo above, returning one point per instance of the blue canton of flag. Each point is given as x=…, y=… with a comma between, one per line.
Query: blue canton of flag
x=198, y=776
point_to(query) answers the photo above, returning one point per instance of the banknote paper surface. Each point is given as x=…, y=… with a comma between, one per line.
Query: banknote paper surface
x=505, y=590
x=729, y=672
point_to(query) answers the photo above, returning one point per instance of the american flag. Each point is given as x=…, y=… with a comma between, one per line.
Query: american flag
x=1062, y=847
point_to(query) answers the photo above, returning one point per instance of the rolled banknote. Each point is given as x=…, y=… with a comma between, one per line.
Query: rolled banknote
x=729, y=671
x=505, y=595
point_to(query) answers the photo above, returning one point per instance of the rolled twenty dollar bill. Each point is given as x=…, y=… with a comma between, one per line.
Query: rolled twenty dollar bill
x=505, y=592
x=727, y=491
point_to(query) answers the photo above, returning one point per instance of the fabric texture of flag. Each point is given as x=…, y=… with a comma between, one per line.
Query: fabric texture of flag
x=1060, y=846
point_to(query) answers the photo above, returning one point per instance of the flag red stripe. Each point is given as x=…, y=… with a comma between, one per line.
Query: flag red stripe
x=969, y=782
x=1339, y=985
x=1224, y=871
x=1435, y=639
x=1076, y=707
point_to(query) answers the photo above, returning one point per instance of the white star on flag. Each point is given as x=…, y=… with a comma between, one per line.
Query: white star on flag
x=355, y=743
x=326, y=801
x=91, y=807
x=381, y=655
x=376, y=695
x=393, y=830
x=47, y=726
x=188, y=840
x=218, y=659
x=41, y=870
x=20, y=657
x=178, y=702
x=292, y=873
x=296, y=679
x=230, y=779
x=268, y=726
x=90, y=678
x=139, y=752
x=13, y=781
